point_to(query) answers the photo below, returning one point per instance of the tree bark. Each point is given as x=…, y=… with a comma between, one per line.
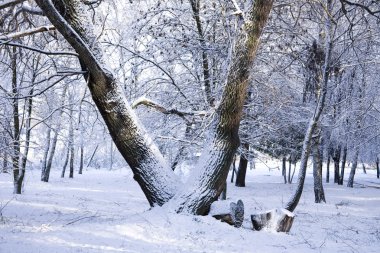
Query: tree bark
x=341, y=176
x=328, y=165
x=290, y=170
x=27, y=127
x=46, y=154
x=284, y=169
x=195, y=5
x=319, y=192
x=5, y=162
x=233, y=168
x=350, y=182
x=71, y=140
x=243, y=163
x=336, y=159
x=18, y=172
x=66, y=162
x=81, y=160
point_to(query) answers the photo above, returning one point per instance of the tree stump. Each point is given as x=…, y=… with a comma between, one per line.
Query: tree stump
x=279, y=220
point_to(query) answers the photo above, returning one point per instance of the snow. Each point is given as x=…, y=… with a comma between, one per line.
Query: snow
x=105, y=211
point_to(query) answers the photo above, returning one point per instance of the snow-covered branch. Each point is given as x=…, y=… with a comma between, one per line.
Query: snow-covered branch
x=17, y=35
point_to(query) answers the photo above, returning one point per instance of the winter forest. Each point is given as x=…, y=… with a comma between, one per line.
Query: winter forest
x=189, y=126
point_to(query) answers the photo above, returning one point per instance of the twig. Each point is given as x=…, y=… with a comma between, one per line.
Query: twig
x=81, y=218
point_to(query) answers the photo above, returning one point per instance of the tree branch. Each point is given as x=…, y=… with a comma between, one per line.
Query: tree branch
x=38, y=50
x=366, y=8
x=8, y=3
x=149, y=103
x=17, y=35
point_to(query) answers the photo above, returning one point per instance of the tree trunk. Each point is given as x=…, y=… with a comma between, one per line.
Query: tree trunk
x=71, y=174
x=284, y=169
x=18, y=173
x=46, y=174
x=233, y=169
x=92, y=156
x=181, y=151
x=243, y=163
x=290, y=170
x=66, y=161
x=377, y=167
x=5, y=162
x=27, y=127
x=328, y=166
x=294, y=170
x=81, y=160
x=364, y=169
x=293, y=202
x=223, y=196
x=46, y=154
x=336, y=159
x=350, y=182
x=341, y=176
x=319, y=192
x=195, y=5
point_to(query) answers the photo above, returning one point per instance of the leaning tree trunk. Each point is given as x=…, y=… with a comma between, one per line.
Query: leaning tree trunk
x=66, y=162
x=243, y=163
x=319, y=192
x=350, y=182
x=364, y=169
x=293, y=202
x=209, y=181
x=156, y=178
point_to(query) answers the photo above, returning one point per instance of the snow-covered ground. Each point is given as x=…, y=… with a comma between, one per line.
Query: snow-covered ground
x=105, y=211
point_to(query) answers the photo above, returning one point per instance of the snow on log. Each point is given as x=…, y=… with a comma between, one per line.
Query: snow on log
x=234, y=215
x=279, y=220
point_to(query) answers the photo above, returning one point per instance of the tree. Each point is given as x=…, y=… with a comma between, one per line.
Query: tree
x=156, y=179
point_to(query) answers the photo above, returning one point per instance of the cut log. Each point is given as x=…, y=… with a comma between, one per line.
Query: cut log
x=279, y=220
x=234, y=216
